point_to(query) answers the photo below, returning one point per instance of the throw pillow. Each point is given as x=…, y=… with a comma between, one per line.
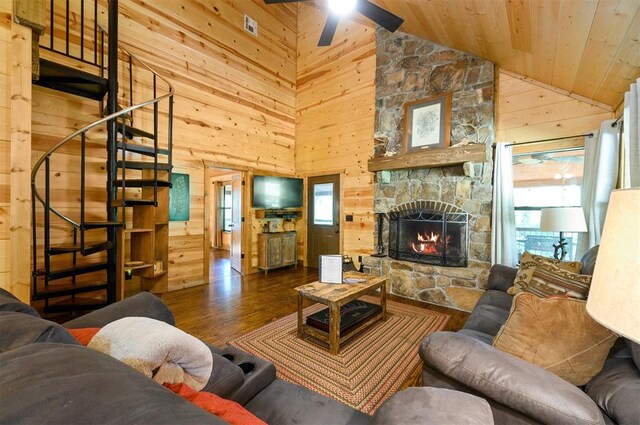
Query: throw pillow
x=19, y=329
x=84, y=335
x=528, y=262
x=228, y=410
x=548, y=280
x=556, y=334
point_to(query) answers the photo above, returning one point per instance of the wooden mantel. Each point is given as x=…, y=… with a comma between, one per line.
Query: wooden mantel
x=431, y=158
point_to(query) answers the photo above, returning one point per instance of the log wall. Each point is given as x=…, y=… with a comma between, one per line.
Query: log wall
x=5, y=143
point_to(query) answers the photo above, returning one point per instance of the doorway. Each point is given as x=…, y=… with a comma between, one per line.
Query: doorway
x=224, y=233
x=323, y=225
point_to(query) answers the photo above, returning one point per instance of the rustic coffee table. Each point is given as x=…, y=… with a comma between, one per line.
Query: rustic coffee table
x=335, y=296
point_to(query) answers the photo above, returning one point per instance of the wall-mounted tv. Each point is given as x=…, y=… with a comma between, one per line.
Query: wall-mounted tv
x=277, y=192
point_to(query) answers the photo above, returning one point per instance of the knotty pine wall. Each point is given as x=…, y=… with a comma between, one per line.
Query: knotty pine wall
x=5, y=144
x=530, y=111
x=335, y=109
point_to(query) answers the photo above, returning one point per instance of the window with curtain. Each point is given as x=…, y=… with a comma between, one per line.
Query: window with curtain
x=225, y=208
x=540, y=180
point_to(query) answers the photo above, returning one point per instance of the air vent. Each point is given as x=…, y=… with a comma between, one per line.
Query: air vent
x=250, y=25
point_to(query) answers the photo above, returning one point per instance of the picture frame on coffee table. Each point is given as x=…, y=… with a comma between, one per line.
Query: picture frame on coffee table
x=427, y=123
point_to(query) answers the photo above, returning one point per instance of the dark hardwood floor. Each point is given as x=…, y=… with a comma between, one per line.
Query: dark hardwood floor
x=233, y=305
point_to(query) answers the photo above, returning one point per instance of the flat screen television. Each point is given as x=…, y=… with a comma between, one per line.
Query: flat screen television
x=276, y=192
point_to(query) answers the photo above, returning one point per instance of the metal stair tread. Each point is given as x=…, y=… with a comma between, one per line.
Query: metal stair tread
x=73, y=271
x=131, y=132
x=68, y=289
x=142, y=149
x=60, y=77
x=90, y=247
x=128, y=202
x=101, y=224
x=141, y=183
x=143, y=165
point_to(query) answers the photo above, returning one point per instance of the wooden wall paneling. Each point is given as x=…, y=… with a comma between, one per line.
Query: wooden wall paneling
x=335, y=117
x=5, y=144
x=531, y=112
x=20, y=203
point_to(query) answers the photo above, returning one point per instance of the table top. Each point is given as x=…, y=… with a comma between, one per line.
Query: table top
x=335, y=292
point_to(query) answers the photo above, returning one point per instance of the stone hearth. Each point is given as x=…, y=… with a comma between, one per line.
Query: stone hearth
x=408, y=69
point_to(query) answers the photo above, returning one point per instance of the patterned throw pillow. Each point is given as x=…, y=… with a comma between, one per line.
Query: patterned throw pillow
x=556, y=334
x=528, y=263
x=550, y=281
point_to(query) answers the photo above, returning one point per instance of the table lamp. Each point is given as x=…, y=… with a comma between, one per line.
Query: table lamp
x=562, y=219
x=614, y=297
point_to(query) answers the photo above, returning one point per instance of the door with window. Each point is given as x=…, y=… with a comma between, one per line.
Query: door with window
x=323, y=225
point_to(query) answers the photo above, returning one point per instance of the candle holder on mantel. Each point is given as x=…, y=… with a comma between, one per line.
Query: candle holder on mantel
x=379, y=247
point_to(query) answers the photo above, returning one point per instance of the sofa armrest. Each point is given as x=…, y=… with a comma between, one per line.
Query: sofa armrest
x=501, y=277
x=143, y=304
x=509, y=380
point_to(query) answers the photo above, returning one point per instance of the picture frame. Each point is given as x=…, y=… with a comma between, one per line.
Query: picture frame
x=179, y=197
x=427, y=123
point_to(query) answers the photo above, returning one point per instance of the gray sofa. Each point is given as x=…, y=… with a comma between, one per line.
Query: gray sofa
x=520, y=392
x=47, y=377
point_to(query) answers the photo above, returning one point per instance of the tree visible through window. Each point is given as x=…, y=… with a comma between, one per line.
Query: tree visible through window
x=545, y=179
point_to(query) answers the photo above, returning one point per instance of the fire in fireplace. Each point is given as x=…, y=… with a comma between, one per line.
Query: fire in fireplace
x=430, y=233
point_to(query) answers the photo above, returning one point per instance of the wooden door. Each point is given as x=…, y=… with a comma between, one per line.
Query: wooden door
x=323, y=226
x=236, y=223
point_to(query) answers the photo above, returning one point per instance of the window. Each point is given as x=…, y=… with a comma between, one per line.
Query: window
x=225, y=208
x=323, y=204
x=545, y=179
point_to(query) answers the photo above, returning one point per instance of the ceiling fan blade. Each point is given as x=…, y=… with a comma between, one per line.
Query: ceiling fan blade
x=329, y=30
x=380, y=16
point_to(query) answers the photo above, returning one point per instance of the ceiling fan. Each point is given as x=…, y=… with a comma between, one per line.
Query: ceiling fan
x=338, y=8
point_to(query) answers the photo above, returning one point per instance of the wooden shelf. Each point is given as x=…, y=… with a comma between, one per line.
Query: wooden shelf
x=142, y=266
x=431, y=158
x=162, y=223
x=137, y=230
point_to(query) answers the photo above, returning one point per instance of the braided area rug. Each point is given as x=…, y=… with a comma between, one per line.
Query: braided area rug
x=370, y=367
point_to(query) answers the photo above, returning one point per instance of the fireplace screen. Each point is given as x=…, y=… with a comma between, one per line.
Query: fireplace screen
x=429, y=237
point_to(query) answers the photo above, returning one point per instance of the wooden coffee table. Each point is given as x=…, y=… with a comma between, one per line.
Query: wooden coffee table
x=335, y=296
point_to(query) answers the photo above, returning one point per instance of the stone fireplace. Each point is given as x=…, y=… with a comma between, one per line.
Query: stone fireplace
x=428, y=233
x=436, y=232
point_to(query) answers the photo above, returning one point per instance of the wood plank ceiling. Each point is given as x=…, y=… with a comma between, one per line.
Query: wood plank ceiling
x=587, y=47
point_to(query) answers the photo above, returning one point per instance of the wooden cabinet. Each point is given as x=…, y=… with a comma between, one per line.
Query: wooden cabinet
x=143, y=247
x=277, y=250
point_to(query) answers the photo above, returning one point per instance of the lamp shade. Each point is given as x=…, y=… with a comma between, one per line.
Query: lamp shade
x=614, y=297
x=563, y=219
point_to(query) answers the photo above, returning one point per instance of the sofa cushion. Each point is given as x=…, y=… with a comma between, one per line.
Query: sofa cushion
x=433, y=406
x=556, y=334
x=283, y=403
x=486, y=319
x=72, y=384
x=10, y=303
x=19, y=329
x=549, y=280
x=497, y=299
x=635, y=352
x=588, y=260
x=528, y=263
x=486, y=338
x=616, y=390
x=225, y=378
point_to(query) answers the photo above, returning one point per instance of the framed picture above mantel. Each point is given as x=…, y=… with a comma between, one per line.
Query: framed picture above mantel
x=427, y=123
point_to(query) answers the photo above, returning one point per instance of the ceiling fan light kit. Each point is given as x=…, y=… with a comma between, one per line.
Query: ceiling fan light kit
x=338, y=8
x=342, y=7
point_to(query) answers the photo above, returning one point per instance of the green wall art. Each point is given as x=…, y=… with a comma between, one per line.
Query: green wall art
x=179, y=200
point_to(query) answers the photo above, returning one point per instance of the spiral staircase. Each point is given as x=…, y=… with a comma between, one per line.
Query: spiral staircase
x=75, y=249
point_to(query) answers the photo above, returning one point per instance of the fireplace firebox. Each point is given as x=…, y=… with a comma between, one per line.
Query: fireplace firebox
x=432, y=233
